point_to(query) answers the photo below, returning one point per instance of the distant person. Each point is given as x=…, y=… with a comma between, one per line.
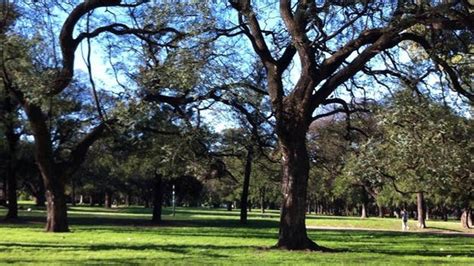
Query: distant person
x=404, y=220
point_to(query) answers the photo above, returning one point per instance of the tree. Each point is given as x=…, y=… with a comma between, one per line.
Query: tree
x=309, y=30
x=9, y=107
x=419, y=149
x=56, y=79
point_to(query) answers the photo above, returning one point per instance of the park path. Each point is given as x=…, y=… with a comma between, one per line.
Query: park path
x=425, y=231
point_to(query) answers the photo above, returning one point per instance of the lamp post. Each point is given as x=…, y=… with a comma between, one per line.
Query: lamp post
x=174, y=201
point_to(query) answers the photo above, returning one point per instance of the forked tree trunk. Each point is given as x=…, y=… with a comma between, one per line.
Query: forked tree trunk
x=245, y=190
x=157, y=198
x=295, y=171
x=421, y=209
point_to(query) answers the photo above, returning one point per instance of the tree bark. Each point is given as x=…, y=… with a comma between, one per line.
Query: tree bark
x=365, y=200
x=380, y=209
x=91, y=200
x=127, y=200
x=262, y=199
x=73, y=193
x=421, y=209
x=41, y=193
x=11, y=194
x=229, y=206
x=295, y=171
x=107, y=200
x=363, y=212
x=465, y=218
x=157, y=198
x=56, y=208
x=11, y=185
x=4, y=190
x=11, y=182
x=245, y=189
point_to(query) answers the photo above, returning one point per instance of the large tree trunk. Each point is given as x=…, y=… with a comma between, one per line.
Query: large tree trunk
x=465, y=218
x=56, y=208
x=11, y=194
x=295, y=171
x=11, y=186
x=4, y=190
x=421, y=209
x=73, y=193
x=41, y=193
x=245, y=190
x=157, y=198
x=12, y=139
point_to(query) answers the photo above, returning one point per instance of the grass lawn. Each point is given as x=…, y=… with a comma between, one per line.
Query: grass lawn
x=214, y=236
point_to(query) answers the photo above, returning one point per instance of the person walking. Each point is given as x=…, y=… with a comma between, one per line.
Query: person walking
x=404, y=220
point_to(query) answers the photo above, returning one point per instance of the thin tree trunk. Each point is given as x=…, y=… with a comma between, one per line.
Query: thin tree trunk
x=365, y=200
x=262, y=199
x=245, y=189
x=295, y=166
x=107, y=200
x=73, y=193
x=229, y=206
x=127, y=200
x=421, y=209
x=146, y=202
x=380, y=209
x=91, y=200
x=157, y=198
x=81, y=199
x=363, y=212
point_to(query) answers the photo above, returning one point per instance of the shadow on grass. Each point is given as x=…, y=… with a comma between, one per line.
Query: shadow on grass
x=133, y=221
x=173, y=248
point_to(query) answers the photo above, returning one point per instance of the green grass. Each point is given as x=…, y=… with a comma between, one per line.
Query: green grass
x=196, y=236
